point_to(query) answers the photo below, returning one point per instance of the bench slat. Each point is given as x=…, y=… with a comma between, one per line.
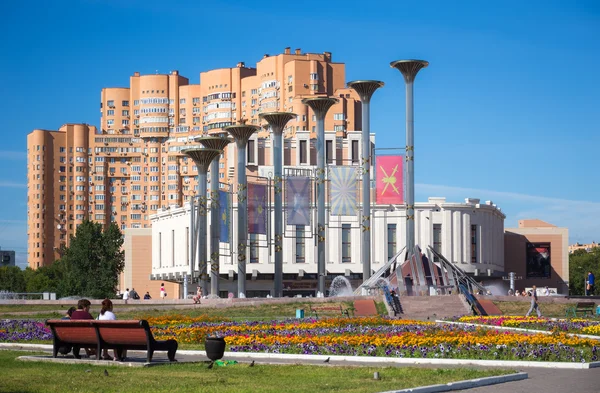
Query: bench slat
x=117, y=335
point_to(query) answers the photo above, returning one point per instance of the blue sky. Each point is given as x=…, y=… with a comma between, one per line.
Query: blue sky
x=507, y=110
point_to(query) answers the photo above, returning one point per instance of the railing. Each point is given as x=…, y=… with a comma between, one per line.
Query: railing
x=6, y=295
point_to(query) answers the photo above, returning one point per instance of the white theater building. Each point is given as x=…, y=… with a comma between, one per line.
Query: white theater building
x=470, y=234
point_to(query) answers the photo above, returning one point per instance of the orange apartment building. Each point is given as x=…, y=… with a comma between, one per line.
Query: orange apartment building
x=132, y=165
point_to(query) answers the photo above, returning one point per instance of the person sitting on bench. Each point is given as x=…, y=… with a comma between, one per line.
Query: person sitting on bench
x=83, y=312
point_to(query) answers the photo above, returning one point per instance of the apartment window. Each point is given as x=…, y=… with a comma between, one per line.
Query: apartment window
x=110, y=103
x=250, y=153
x=437, y=240
x=391, y=241
x=329, y=152
x=125, y=112
x=182, y=101
x=253, y=248
x=355, y=152
x=125, y=103
x=303, y=151
x=314, y=87
x=346, y=246
x=300, y=244
x=110, y=112
x=338, y=116
x=473, y=243
x=314, y=76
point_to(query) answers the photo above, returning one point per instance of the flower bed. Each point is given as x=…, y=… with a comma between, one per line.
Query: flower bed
x=12, y=330
x=575, y=325
x=386, y=337
x=370, y=336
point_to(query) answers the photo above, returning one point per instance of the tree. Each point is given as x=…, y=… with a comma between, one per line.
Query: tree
x=40, y=280
x=92, y=263
x=12, y=279
x=580, y=263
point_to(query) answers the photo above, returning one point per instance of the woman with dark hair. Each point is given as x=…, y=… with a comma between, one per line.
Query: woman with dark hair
x=69, y=313
x=106, y=314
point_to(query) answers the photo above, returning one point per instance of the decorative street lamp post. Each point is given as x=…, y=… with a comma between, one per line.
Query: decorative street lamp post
x=320, y=106
x=241, y=133
x=277, y=121
x=409, y=69
x=365, y=90
x=202, y=158
x=215, y=142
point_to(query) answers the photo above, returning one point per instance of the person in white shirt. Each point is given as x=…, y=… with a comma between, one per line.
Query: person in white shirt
x=126, y=295
x=106, y=314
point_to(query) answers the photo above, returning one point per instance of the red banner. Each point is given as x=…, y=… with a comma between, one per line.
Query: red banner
x=390, y=180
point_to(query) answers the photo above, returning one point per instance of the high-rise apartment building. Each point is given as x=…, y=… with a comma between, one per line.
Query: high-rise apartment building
x=132, y=165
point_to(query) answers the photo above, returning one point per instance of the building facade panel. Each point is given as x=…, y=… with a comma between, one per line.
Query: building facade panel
x=343, y=245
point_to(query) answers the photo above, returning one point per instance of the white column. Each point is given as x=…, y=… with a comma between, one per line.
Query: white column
x=418, y=217
x=427, y=229
x=456, y=229
x=466, y=237
x=399, y=217
x=447, y=235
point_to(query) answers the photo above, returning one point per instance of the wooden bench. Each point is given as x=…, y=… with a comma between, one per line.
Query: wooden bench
x=329, y=307
x=117, y=335
x=582, y=307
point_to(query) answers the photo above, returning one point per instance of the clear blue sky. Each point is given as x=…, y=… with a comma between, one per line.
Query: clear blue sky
x=507, y=110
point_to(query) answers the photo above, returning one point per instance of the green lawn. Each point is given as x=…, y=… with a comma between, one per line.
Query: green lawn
x=262, y=312
x=552, y=310
x=29, y=377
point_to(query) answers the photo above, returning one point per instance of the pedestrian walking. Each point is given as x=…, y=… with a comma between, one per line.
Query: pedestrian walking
x=534, y=303
x=591, y=281
x=126, y=295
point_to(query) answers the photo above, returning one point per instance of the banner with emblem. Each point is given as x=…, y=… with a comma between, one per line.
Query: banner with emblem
x=257, y=208
x=224, y=216
x=343, y=190
x=390, y=180
x=297, y=200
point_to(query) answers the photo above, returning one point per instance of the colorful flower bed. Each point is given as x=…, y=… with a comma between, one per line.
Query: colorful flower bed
x=575, y=325
x=23, y=330
x=371, y=336
x=385, y=337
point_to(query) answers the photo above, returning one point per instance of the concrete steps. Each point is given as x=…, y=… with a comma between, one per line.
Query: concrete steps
x=432, y=307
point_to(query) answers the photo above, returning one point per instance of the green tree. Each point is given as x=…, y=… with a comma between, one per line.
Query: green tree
x=580, y=263
x=40, y=280
x=12, y=279
x=92, y=263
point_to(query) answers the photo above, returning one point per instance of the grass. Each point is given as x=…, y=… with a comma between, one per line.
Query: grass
x=552, y=310
x=29, y=377
x=261, y=312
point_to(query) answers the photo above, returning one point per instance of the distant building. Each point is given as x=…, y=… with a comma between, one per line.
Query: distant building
x=538, y=253
x=132, y=165
x=7, y=258
x=469, y=234
x=579, y=246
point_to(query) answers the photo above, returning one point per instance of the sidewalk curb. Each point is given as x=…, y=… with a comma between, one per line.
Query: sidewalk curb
x=468, y=384
x=356, y=359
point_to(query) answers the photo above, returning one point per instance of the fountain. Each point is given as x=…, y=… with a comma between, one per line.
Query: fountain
x=382, y=282
x=340, y=286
